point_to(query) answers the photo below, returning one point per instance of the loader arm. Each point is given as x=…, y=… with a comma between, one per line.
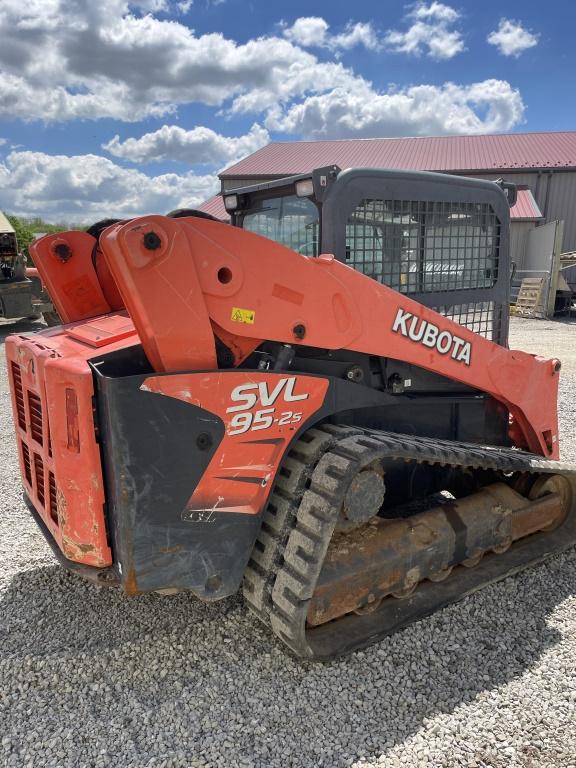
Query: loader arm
x=252, y=289
x=187, y=281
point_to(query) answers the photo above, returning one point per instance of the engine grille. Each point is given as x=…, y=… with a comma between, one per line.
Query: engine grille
x=53, y=497
x=26, y=462
x=39, y=477
x=37, y=470
x=35, y=410
x=19, y=395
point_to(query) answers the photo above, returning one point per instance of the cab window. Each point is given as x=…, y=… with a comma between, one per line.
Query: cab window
x=292, y=221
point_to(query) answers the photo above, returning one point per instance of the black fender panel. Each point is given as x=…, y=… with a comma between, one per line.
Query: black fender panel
x=155, y=451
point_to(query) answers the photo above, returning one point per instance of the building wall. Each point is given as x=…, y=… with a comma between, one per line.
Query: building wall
x=562, y=205
x=555, y=193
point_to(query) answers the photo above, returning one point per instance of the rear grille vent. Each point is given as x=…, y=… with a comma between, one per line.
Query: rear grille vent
x=52, y=491
x=19, y=395
x=35, y=407
x=26, y=461
x=39, y=474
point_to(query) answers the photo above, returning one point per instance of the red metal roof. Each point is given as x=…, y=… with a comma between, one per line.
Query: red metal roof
x=215, y=207
x=500, y=152
x=526, y=208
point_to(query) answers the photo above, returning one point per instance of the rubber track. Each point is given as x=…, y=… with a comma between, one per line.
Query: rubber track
x=280, y=515
x=303, y=510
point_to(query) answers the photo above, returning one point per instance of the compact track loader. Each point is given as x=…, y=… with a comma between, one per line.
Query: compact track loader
x=316, y=403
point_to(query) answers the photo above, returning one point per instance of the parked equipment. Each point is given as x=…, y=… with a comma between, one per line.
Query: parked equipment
x=21, y=291
x=317, y=403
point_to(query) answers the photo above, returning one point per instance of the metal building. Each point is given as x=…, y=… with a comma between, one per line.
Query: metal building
x=543, y=165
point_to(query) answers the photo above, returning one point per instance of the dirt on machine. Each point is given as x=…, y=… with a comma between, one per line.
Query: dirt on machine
x=315, y=404
x=21, y=291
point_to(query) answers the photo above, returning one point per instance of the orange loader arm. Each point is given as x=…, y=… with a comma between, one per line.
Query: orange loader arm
x=185, y=281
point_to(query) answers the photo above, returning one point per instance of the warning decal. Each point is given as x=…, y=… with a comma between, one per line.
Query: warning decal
x=243, y=315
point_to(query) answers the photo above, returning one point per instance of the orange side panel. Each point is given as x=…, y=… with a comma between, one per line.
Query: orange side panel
x=51, y=385
x=64, y=262
x=254, y=288
x=261, y=413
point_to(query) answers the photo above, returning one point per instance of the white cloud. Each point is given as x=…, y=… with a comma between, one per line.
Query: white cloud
x=308, y=31
x=361, y=33
x=485, y=107
x=312, y=32
x=86, y=188
x=430, y=32
x=19, y=98
x=511, y=38
x=436, y=11
x=2, y=141
x=61, y=60
x=198, y=146
x=296, y=82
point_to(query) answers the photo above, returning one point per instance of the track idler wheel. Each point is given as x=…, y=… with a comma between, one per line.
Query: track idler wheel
x=363, y=499
x=553, y=484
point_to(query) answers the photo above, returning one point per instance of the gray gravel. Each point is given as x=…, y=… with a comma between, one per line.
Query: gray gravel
x=91, y=678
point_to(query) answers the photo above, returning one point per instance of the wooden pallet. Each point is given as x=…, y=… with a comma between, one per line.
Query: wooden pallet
x=531, y=300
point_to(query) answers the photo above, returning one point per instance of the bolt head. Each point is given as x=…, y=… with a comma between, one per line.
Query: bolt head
x=299, y=331
x=152, y=241
x=204, y=441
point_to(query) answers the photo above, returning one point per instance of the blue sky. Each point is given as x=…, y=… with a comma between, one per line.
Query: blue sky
x=112, y=108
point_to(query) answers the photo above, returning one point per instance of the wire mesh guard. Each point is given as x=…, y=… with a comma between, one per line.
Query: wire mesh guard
x=479, y=316
x=419, y=247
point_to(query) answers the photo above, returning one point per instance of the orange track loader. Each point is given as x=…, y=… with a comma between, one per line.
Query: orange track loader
x=317, y=403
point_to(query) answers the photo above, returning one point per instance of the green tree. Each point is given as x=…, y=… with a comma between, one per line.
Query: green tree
x=27, y=228
x=24, y=232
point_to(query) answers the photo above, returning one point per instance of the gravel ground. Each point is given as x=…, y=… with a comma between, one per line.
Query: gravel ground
x=91, y=678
